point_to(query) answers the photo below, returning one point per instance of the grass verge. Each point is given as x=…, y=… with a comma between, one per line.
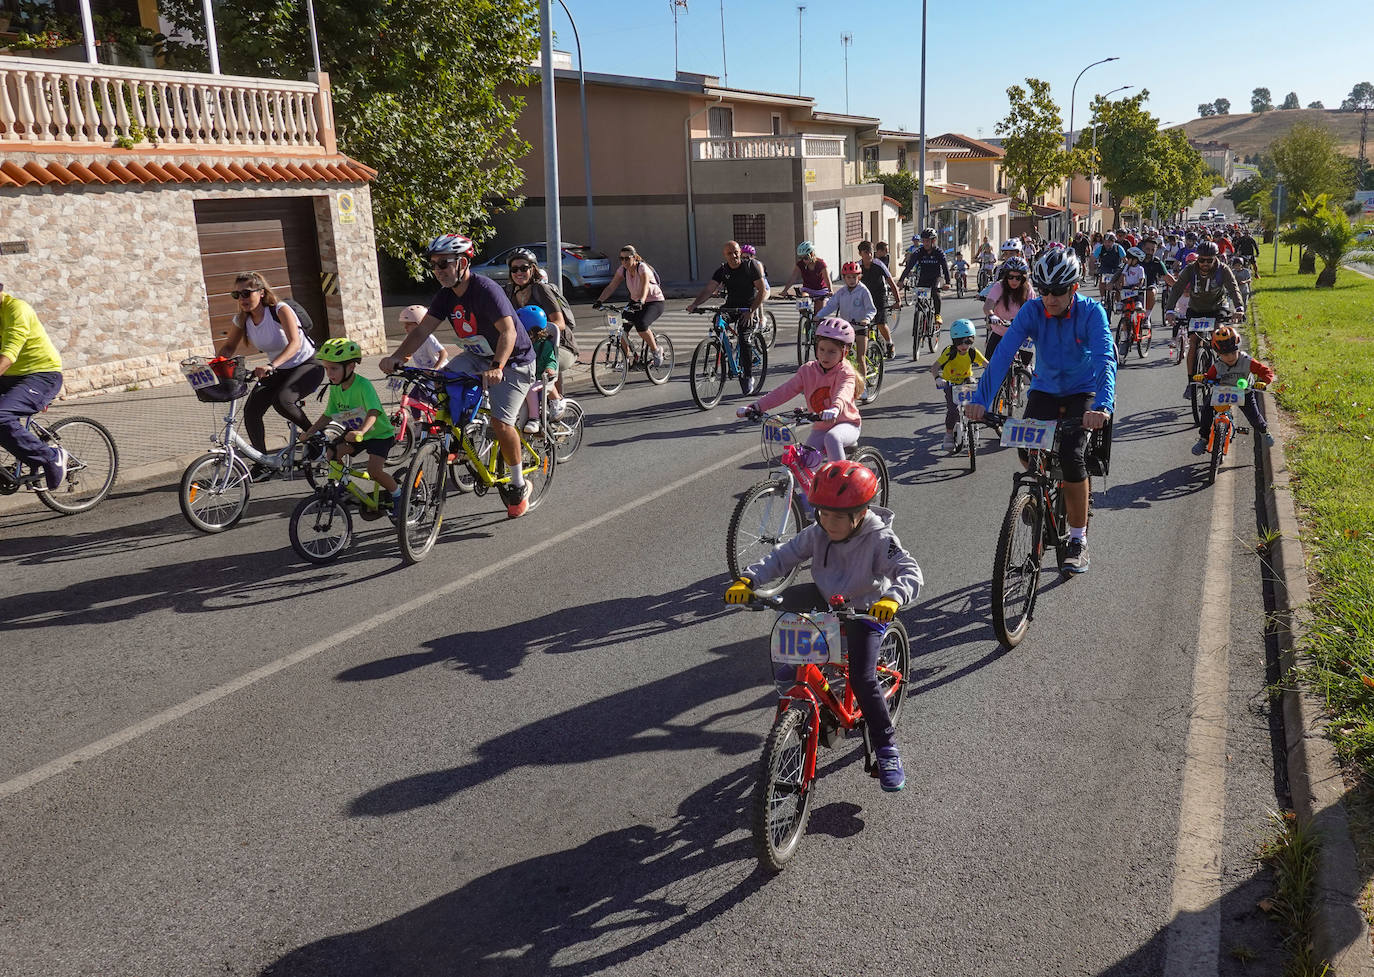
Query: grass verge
x=1292, y=854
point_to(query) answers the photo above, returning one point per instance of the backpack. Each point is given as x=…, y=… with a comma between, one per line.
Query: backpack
x=307, y=324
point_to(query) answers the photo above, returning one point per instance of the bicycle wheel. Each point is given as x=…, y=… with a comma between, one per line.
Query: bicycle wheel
x=872, y=459
x=782, y=795
x=1142, y=345
x=894, y=655
x=766, y=517
x=1016, y=569
x=768, y=328
x=660, y=374
x=214, y=492
x=539, y=458
x=92, y=464
x=804, y=349
x=708, y=373
x=874, y=365
x=405, y=439
x=760, y=374
x=566, y=431
x=1218, y=452
x=420, y=512
x=1196, y=398
x=610, y=366
x=321, y=528
x=971, y=439
x=932, y=334
x=1124, y=336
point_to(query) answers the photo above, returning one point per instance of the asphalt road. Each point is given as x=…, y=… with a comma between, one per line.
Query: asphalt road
x=532, y=753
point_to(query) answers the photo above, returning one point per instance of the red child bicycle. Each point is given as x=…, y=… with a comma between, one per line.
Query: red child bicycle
x=414, y=416
x=1134, y=327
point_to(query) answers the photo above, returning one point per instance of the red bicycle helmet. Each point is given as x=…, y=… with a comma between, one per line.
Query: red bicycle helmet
x=851, y=268
x=843, y=485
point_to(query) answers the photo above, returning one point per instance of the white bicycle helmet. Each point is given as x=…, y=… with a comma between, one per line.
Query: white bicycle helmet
x=1011, y=246
x=806, y=249
x=1056, y=268
x=454, y=244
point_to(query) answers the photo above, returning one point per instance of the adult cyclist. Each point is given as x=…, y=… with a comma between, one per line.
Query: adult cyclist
x=30, y=377
x=929, y=265
x=814, y=275
x=494, y=346
x=1212, y=292
x=1156, y=272
x=745, y=289
x=1074, y=382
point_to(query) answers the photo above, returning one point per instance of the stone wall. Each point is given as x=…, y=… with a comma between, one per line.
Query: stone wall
x=114, y=273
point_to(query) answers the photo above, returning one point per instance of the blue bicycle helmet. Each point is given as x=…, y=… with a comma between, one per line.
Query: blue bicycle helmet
x=532, y=317
x=962, y=329
x=806, y=249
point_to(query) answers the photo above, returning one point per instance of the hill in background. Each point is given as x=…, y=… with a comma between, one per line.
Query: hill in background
x=1249, y=133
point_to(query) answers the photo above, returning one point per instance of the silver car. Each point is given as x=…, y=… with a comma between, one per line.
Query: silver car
x=584, y=269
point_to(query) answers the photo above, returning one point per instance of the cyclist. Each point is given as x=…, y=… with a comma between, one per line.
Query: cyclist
x=544, y=335
x=353, y=404
x=1212, y=291
x=1074, y=382
x=830, y=386
x=1232, y=365
x=929, y=264
x=646, y=303
x=744, y=295
x=494, y=345
x=1156, y=273
x=880, y=254
x=1012, y=248
x=30, y=378
x=1248, y=248
x=874, y=273
x=985, y=258
x=814, y=275
x=1004, y=299
x=1131, y=274
x=853, y=303
x=1244, y=277
x=960, y=268
x=291, y=373
x=854, y=554
x=1110, y=258
x=954, y=366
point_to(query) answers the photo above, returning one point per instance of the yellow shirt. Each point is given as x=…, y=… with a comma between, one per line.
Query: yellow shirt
x=23, y=339
x=957, y=367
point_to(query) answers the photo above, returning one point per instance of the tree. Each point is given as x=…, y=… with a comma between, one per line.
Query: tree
x=1125, y=134
x=901, y=187
x=1181, y=174
x=1360, y=99
x=415, y=90
x=1223, y=106
x=1261, y=100
x=1323, y=230
x=1290, y=101
x=1033, y=141
x=1309, y=161
x=1316, y=105
x=1205, y=109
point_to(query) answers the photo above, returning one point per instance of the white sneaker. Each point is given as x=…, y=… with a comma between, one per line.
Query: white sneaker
x=658, y=357
x=531, y=426
x=948, y=443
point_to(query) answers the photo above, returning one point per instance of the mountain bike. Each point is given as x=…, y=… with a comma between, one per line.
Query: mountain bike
x=1134, y=328
x=766, y=326
x=775, y=509
x=565, y=431
x=1012, y=393
x=984, y=278
x=874, y=364
x=215, y=488
x=1107, y=293
x=816, y=707
x=92, y=465
x=923, y=323
x=806, y=330
x=1223, y=398
x=1201, y=327
x=611, y=364
x=321, y=526
x=715, y=359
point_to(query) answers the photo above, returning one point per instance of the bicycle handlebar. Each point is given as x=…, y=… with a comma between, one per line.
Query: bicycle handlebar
x=841, y=610
x=798, y=415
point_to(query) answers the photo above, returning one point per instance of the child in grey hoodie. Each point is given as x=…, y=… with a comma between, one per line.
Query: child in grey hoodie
x=854, y=554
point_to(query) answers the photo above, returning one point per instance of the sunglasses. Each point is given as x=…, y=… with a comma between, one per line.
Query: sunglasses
x=627, y=257
x=963, y=342
x=243, y=293
x=443, y=263
x=519, y=269
x=1016, y=278
x=1057, y=291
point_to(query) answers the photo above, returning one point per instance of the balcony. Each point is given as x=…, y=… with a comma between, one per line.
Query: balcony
x=63, y=106
x=769, y=147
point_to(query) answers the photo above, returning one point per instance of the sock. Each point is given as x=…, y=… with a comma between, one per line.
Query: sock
x=517, y=477
x=1077, y=532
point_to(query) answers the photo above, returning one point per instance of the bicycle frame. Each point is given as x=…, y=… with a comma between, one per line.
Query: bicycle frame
x=12, y=478
x=234, y=444
x=344, y=478
x=722, y=330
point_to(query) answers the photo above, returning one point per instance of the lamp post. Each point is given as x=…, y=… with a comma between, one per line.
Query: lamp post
x=918, y=208
x=1068, y=141
x=586, y=137
x=553, y=223
x=1092, y=177
x=846, y=39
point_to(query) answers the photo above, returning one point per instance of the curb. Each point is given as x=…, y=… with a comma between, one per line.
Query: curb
x=1315, y=780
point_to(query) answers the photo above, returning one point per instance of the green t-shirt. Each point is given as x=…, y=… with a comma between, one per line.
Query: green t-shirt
x=350, y=408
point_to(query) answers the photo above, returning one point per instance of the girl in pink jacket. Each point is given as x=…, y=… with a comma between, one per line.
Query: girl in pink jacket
x=831, y=386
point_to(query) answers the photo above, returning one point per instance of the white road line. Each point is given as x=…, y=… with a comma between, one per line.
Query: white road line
x=130, y=733
x=1194, y=941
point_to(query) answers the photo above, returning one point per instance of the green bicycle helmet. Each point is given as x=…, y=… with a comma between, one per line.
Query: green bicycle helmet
x=340, y=350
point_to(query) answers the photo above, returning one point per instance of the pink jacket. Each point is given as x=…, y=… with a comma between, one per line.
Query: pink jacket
x=822, y=390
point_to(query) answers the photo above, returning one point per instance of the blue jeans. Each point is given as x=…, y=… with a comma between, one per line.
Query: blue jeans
x=20, y=398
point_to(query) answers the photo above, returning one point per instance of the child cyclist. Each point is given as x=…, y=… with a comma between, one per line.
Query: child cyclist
x=831, y=387
x=1232, y=365
x=961, y=270
x=853, y=303
x=544, y=335
x=954, y=366
x=854, y=554
x=354, y=404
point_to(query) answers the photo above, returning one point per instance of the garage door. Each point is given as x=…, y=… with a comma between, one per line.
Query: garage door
x=275, y=237
x=826, y=236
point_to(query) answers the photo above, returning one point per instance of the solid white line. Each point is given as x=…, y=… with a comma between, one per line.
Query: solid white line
x=1194, y=940
x=89, y=752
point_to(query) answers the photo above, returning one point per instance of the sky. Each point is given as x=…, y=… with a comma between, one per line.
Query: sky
x=1193, y=52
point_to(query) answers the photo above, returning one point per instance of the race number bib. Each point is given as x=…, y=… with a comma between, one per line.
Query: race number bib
x=613, y=319
x=351, y=419
x=963, y=393
x=1028, y=346
x=1228, y=396
x=923, y=293
x=1201, y=325
x=1023, y=432
x=778, y=432
x=199, y=375
x=1129, y=293
x=801, y=640
x=803, y=305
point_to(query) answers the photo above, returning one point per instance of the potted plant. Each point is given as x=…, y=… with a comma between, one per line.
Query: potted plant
x=45, y=33
x=123, y=43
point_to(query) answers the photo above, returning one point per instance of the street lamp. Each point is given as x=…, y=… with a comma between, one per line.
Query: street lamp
x=586, y=137
x=918, y=209
x=1092, y=177
x=1068, y=141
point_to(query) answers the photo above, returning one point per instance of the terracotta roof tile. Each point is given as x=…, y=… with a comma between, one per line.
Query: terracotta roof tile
x=123, y=173
x=84, y=173
x=17, y=173
x=224, y=173
x=155, y=168
x=299, y=173
x=103, y=172
x=145, y=170
x=8, y=181
x=240, y=174
x=181, y=171
x=41, y=174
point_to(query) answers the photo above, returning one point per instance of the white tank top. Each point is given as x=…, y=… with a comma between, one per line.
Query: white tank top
x=270, y=337
x=429, y=355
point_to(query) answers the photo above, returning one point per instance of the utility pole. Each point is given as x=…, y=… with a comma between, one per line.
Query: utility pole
x=553, y=218
x=918, y=209
x=674, y=4
x=845, y=41
x=801, y=9
x=724, y=66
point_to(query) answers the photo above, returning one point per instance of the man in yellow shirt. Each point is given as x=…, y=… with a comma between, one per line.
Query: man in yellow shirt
x=30, y=377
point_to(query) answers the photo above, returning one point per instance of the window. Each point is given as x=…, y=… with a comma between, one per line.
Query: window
x=870, y=161
x=901, y=159
x=750, y=229
x=777, y=124
x=853, y=228
x=939, y=168
x=721, y=122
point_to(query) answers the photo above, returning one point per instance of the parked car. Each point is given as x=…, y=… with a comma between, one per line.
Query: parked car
x=584, y=269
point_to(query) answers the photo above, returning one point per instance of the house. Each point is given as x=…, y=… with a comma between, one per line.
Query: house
x=1218, y=156
x=128, y=255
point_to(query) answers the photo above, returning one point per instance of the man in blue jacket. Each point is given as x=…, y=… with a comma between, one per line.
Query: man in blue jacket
x=1075, y=378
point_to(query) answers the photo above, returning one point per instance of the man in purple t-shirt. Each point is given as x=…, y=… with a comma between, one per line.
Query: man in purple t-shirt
x=495, y=347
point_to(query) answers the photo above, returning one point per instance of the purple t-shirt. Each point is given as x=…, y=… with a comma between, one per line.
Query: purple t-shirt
x=473, y=316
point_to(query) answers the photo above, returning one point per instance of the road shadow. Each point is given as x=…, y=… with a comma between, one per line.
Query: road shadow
x=1146, y=425
x=1168, y=485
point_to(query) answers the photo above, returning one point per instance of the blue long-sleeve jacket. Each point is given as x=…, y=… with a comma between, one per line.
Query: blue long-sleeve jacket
x=1073, y=355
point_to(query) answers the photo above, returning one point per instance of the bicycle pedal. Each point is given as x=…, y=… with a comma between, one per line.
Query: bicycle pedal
x=1242, y=430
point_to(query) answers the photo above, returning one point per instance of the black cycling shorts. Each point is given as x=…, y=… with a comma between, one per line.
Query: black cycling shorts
x=1074, y=437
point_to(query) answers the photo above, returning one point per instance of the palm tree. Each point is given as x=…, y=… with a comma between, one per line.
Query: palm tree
x=1326, y=233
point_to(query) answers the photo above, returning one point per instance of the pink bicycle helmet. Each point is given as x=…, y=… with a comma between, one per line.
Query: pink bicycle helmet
x=836, y=329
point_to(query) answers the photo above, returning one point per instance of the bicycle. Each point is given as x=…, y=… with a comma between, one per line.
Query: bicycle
x=960, y=284
x=611, y=364
x=984, y=278
x=321, y=527
x=565, y=431
x=766, y=327
x=775, y=509
x=1107, y=293
x=806, y=328
x=965, y=429
x=412, y=418
x=922, y=323
x=1012, y=393
x=215, y=488
x=92, y=465
x=1134, y=329
x=816, y=707
x=714, y=360
x=874, y=364
x=1201, y=327
x=1035, y=521
x=1223, y=398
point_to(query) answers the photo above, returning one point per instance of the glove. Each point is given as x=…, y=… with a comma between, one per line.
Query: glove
x=744, y=411
x=941, y=383
x=884, y=610
x=739, y=592
x=830, y=413
x=598, y=306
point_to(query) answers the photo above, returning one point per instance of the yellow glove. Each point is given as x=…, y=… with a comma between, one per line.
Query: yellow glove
x=884, y=610
x=739, y=592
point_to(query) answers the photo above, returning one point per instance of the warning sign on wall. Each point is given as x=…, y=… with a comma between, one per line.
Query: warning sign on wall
x=347, y=208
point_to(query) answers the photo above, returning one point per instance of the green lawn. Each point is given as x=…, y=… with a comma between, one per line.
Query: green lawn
x=1321, y=344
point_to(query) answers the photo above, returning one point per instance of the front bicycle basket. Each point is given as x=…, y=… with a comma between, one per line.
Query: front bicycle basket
x=216, y=381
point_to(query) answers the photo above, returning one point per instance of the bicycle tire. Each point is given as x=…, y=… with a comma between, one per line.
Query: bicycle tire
x=1142, y=345
x=768, y=328
x=1195, y=397
x=1124, y=335
x=894, y=654
x=1016, y=569
x=92, y=465
x=782, y=796
x=874, y=367
x=931, y=332
x=805, y=342
x=751, y=537
x=1061, y=520
x=567, y=431
x=708, y=374
x=420, y=512
x=872, y=459
x=214, y=492
x=540, y=458
x=759, y=376
x=405, y=439
x=971, y=436
x=335, y=532
x=610, y=368
x=659, y=374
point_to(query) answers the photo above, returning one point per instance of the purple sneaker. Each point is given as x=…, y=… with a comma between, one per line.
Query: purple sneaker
x=57, y=471
x=890, y=774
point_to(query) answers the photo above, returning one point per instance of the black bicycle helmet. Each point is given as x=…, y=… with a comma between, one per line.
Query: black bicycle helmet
x=1207, y=250
x=1056, y=268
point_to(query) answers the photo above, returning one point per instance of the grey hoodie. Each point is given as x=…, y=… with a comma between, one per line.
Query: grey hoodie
x=866, y=567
